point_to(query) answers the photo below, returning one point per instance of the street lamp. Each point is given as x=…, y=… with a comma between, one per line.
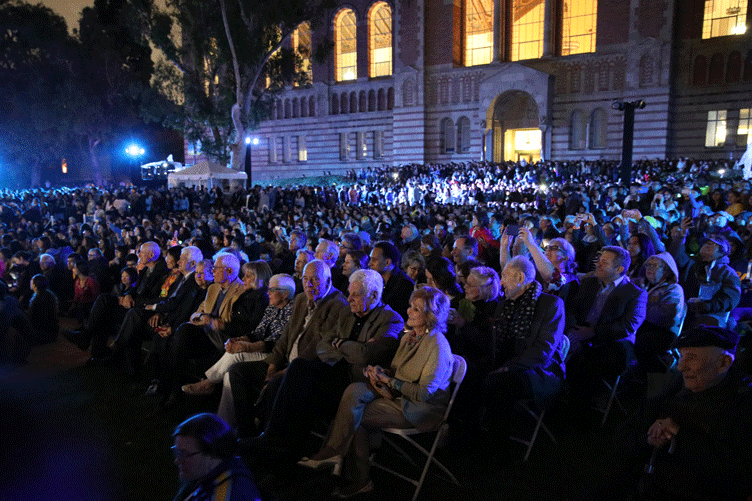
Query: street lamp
x=134, y=151
x=249, y=143
x=628, y=108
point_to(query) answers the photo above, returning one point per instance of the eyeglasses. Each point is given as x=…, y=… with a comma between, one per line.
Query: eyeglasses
x=276, y=289
x=553, y=248
x=218, y=267
x=653, y=266
x=181, y=454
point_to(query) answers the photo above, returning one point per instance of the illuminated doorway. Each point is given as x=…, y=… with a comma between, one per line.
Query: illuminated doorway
x=513, y=130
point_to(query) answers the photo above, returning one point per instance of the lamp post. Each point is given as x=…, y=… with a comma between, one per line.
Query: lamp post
x=134, y=151
x=249, y=143
x=628, y=136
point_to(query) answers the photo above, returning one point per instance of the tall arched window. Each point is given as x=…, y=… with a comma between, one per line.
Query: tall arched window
x=527, y=29
x=724, y=17
x=578, y=130
x=479, y=27
x=578, y=26
x=700, y=70
x=380, y=40
x=463, y=135
x=734, y=67
x=598, y=128
x=301, y=43
x=447, y=136
x=715, y=76
x=345, y=46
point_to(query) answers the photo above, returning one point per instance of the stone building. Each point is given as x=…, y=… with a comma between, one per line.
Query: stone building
x=464, y=80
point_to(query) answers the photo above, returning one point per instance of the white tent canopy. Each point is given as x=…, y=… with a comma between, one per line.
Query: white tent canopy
x=206, y=174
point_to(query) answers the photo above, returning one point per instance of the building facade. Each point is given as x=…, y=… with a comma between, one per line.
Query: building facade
x=465, y=80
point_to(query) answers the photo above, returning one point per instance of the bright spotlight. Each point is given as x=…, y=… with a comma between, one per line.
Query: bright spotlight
x=722, y=171
x=255, y=141
x=134, y=150
x=247, y=140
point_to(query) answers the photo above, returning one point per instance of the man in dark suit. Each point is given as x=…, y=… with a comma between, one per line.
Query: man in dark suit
x=140, y=323
x=367, y=334
x=314, y=313
x=398, y=287
x=602, y=320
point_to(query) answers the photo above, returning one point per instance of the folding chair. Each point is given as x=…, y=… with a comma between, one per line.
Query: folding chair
x=529, y=407
x=458, y=374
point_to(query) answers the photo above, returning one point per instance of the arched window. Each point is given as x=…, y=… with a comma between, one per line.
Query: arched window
x=353, y=102
x=647, y=71
x=301, y=43
x=578, y=128
x=345, y=46
x=280, y=110
x=748, y=67
x=479, y=27
x=700, y=70
x=311, y=107
x=362, y=101
x=303, y=107
x=463, y=135
x=295, y=107
x=288, y=110
x=715, y=75
x=724, y=17
x=380, y=40
x=447, y=136
x=527, y=29
x=578, y=26
x=382, y=100
x=371, y=100
x=390, y=98
x=598, y=127
x=734, y=67
x=335, y=104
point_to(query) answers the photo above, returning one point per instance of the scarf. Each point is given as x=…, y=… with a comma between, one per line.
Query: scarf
x=517, y=315
x=168, y=283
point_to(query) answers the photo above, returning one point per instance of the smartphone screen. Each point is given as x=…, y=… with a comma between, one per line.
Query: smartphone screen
x=513, y=230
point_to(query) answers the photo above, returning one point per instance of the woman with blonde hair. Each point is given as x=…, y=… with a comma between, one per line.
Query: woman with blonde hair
x=413, y=392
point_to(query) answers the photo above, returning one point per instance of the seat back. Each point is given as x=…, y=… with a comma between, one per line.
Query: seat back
x=564, y=346
x=459, y=368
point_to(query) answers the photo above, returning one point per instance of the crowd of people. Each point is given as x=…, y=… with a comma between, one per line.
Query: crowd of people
x=346, y=305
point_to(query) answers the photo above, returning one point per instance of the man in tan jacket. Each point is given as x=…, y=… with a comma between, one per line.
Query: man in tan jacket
x=314, y=313
x=203, y=336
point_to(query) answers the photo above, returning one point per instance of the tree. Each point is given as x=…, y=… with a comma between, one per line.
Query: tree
x=222, y=57
x=35, y=52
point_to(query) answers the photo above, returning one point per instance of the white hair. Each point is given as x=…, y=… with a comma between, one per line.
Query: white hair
x=370, y=280
x=284, y=281
x=193, y=254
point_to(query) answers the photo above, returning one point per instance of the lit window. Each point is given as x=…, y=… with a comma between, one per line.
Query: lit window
x=724, y=17
x=380, y=40
x=301, y=43
x=378, y=143
x=346, y=55
x=302, y=149
x=527, y=29
x=743, y=134
x=478, y=32
x=362, y=150
x=578, y=26
x=715, y=134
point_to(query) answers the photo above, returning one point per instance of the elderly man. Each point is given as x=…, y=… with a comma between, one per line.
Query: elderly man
x=314, y=313
x=410, y=238
x=108, y=310
x=696, y=437
x=328, y=252
x=527, y=332
x=203, y=336
x=385, y=259
x=602, y=320
x=368, y=334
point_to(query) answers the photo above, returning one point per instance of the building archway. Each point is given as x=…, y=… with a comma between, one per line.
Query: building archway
x=513, y=129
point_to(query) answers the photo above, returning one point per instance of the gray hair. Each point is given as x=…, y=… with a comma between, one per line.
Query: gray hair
x=371, y=281
x=284, y=281
x=193, y=254
x=229, y=261
x=524, y=266
x=490, y=285
x=47, y=259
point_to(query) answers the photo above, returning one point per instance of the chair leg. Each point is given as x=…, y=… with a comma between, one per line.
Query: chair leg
x=611, y=397
x=538, y=424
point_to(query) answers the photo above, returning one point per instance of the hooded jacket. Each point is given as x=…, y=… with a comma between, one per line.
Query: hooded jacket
x=666, y=308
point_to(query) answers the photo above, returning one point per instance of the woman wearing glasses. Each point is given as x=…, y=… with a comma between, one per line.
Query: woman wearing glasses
x=556, y=265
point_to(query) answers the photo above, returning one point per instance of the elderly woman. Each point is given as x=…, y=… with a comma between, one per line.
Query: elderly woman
x=414, y=265
x=525, y=359
x=414, y=391
x=556, y=264
x=664, y=314
x=253, y=347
